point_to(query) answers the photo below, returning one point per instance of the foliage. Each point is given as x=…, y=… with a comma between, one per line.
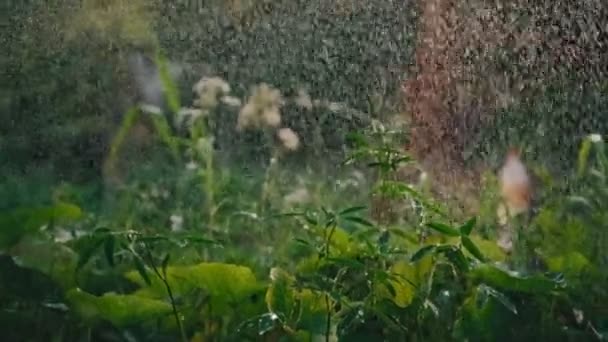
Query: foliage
x=194, y=241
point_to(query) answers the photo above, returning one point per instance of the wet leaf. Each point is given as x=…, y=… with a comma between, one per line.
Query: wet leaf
x=120, y=310
x=17, y=223
x=443, y=228
x=352, y=210
x=501, y=279
x=85, y=252
x=358, y=220
x=108, y=248
x=141, y=269
x=472, y=248
x=422, y=252
x=466, y=228
x=501, y=297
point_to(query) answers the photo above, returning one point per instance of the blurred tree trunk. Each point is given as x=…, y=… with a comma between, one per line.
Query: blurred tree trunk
x=429, y=93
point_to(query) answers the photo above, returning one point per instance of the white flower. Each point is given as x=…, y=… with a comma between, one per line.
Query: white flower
x=303, y=100
x=262, y=108
x=190, y=114
x=231, y=101
x=595, y=138
x=176, y=222
x=298, y=196
x=208, y=90
x=289, y=138
x=211, y=84
x=335, y=107
x=275, y=272
x=191, y=166
x=272, y=116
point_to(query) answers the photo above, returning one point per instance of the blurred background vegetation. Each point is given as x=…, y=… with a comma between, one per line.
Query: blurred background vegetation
x=453, y=83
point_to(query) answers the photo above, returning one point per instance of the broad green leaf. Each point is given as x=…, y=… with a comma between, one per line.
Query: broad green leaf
x=55, y=260
x=313, y=317
x=472, y=248
x=501, y=279
x=227, y=285
x=571, y=263
x=404, y=278
x=443, y=228
x=19, y=222
x=488, y=248
x=120, y=310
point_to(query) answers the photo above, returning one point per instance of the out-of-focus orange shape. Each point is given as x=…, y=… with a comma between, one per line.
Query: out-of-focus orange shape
x=515, y=184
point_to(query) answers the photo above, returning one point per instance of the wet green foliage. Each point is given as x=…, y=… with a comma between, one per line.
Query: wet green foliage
x=195, y=242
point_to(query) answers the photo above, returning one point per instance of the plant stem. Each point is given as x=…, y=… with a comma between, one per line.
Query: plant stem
x=169, y=292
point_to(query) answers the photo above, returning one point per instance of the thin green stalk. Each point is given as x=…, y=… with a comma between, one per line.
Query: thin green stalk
x=163, y=278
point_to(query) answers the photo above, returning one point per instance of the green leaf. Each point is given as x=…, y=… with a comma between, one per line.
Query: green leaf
x=422, y=252
x=227, y=285
x=466, y=228
x=457, y=258
x=506, y=302
x=502, y=279
x=351, y=210
x=472, y=248
x=165, y=263
x=583, y=156
x=141, y=269
x=19, y=222
x=169, y=87
x=108, y=248
x=443, y=228
x=358, y=220
x=91, y=244
x=120, y=310
x=280, y=295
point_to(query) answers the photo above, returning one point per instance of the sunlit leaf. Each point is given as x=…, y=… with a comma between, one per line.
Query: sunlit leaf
x=280, y=295
x=226, y=285
x=120, y=310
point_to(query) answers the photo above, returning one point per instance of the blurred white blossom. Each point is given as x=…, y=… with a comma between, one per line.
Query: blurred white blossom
x=177, y=222
x=262, y=108
x=595, y=138
x=208, y=90
x=303, y=100
x=231, y=101
x=298, y=196
x=289, y=138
